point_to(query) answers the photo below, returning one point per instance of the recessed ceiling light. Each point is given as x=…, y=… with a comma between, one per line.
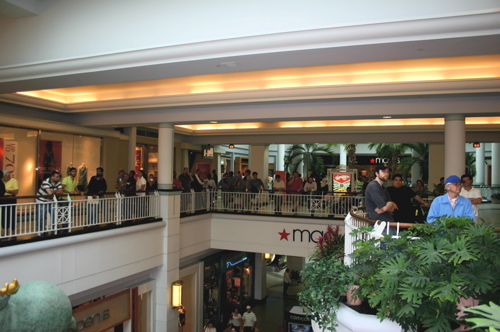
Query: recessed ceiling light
x=213, y=121
x=387, y=117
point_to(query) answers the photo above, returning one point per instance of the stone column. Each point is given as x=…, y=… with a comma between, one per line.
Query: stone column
x=231, y=165
x=132, y=143
x=480, y=166
x=165, y=155
x=260, y=276
x=280, y=158
x=454, y=145
x=259, y=161
x=495, y=164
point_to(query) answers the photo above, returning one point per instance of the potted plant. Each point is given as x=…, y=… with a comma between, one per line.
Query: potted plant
x=418, y=283
x=326, y=279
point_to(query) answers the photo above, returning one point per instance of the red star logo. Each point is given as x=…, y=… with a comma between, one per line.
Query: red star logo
x=372, y=161
x=284, y=235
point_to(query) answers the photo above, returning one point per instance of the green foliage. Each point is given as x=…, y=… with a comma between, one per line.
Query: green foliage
x=488, y=316
x=325, y=283
x=310, y=154
x=326, y=279
x=418, y=283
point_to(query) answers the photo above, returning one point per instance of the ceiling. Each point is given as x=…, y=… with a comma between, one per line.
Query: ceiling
x=325, y=75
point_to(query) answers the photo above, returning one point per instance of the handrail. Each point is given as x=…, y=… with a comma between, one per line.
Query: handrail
x=353, y=213
x=57, y=195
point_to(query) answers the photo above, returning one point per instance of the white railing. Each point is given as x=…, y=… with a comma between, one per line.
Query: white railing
x=64, y=216
x=269, y=203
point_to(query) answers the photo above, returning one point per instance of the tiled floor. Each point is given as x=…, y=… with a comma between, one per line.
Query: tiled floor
x=271, y=314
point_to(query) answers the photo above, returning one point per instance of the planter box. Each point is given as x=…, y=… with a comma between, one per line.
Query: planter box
x=350, y=320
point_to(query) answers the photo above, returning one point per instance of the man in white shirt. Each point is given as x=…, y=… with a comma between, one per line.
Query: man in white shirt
x=249, y=320
x=473, y=194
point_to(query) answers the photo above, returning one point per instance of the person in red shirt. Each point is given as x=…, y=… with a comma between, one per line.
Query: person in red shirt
x=295, y=185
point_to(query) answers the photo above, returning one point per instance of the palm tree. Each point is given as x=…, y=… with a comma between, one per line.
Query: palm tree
x=310, y=155
x=422, y=149
x=390, y=151
x=394, y=151
x=350, y=148
x=470, y=164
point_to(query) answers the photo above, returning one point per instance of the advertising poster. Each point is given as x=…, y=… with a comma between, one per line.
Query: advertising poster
x=138, y=160
x=50, y=158
x=9, y=156
x=341, y=181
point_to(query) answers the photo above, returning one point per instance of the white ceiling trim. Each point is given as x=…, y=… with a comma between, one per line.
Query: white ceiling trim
x=418, y=30
x=354, y=91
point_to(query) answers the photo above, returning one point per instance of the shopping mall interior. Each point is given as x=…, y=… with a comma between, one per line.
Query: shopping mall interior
x=165, y=85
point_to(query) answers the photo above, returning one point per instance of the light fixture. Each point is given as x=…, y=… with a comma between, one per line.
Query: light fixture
x=231, y=146
x=476, y=145
x=387, y=117
x=177, y=294
x=267, y=256
x=213, y=122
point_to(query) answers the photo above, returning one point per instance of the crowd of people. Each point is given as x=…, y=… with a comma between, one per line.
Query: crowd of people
x=398, y=203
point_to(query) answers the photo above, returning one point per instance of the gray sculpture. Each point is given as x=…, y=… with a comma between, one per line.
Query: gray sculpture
x=35, y=306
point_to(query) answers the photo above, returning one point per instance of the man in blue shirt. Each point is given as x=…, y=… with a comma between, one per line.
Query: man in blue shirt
x=451, y=204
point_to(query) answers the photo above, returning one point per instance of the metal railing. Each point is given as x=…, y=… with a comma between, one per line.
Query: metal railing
x=329, y=205
x=64, y=216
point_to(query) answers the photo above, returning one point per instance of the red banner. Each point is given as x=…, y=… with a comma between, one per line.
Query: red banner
x=50, y=158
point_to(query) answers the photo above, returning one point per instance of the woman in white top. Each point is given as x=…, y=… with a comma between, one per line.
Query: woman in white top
x=210, y=328
x=235, y=319
x=140, y=186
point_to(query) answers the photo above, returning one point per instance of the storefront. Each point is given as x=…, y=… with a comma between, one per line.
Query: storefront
x=228, y=284
x=31, y=155
x=128, y=310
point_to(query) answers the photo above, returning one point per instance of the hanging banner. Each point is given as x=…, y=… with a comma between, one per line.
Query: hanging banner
x=341, y=181
x=9, y=152
x=50, y=158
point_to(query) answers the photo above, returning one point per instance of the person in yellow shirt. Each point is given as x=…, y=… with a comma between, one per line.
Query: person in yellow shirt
x=9, y=218
x=69, y=185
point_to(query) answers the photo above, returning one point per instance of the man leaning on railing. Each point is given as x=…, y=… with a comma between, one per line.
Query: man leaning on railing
x=50, y=186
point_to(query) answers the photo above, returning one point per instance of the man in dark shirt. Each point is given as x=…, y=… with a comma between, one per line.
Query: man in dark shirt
x=185, y=179
x=96, y=189
x=378, y=200
x=97, y=186
x=402, y=196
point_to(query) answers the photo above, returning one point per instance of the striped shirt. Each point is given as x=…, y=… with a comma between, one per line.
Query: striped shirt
x=42, y=191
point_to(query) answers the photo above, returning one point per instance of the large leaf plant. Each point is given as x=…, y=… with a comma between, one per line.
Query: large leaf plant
x=418, y=282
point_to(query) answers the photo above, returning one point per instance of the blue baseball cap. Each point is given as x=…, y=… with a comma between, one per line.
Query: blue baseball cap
x=453, y=179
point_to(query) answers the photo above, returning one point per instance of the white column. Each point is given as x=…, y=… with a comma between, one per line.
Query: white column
x=260, y=276
x=480, y=165
x=259, y=161
x=132, y=143
x=454, y=145
x=495, y=164
x=342, y=155
x=415, y=169
x=165, y=155
x=280, y=158
x=231, y=166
